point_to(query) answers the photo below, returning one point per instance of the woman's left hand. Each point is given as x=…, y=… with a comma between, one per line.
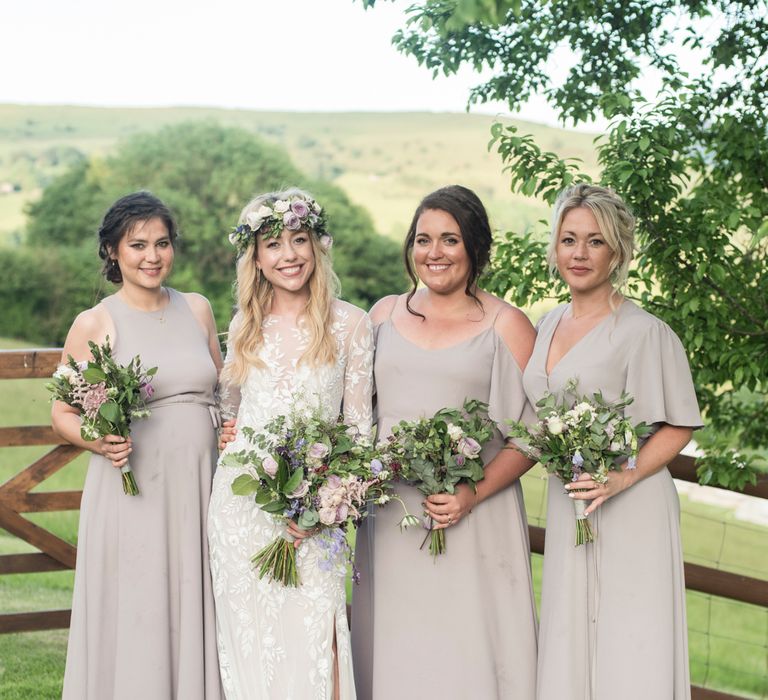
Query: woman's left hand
x=298, y=534
x=586, y=488
x=447, y=509
x=227, y=433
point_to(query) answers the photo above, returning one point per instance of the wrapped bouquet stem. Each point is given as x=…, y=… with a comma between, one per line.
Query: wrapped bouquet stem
x=583, y=528
x=578, y=435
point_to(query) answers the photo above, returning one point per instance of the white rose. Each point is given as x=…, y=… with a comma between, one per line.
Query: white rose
x=616, y=446
x=281, y=206
x=555, y=425
x=65, y=372
x=264, y=212
x=253, y=220
x=455, y=432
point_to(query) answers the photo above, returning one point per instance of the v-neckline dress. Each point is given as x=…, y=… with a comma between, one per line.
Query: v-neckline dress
x=614, y=609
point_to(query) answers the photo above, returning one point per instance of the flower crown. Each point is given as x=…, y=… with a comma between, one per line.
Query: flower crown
x=295, y=213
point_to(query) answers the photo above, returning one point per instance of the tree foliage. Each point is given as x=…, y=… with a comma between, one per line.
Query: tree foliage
x=206, y=174
x=691, y=161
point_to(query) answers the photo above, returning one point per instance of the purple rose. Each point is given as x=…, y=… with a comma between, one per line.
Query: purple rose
x=269, y=465
x=291, y=221
x=460, y=459
x=469, y=447
x=148, y=390
x=342, y=512
x=299, y=208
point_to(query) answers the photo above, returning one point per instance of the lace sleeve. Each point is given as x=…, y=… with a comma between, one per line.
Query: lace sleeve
x=358, y=376
x=228, y=392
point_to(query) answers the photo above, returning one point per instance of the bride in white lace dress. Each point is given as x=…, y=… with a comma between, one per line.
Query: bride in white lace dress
x=292, y=346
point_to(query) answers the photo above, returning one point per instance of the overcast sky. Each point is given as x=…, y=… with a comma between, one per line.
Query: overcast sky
x=295, y=55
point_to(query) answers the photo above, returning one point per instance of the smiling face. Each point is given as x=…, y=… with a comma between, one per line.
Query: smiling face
x=583, y=257
x=145, y=254
x=439, y=255
x=287, y=261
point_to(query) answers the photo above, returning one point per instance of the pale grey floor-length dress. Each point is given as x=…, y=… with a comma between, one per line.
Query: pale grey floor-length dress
x=142, y=614
x=461, y=626
x=613, y=623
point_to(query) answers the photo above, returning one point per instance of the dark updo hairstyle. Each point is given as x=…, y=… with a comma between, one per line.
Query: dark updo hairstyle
x=464, y=206
x=121, y=218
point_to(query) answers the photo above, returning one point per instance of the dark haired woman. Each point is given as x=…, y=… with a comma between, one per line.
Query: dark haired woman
x=462, y=625
x=142, y=612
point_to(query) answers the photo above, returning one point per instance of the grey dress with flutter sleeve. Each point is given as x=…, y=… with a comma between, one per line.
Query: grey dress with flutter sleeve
x=613, y=621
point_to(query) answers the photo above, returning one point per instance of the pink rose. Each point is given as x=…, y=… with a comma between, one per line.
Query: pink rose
x=317, y=451
x=269, y=465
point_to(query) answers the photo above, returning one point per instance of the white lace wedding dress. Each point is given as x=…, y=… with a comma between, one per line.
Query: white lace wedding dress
x=276, y=642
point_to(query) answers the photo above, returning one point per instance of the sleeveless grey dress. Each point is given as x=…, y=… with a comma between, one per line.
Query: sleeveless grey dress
x=613, y=620
x=142, y=613
x=462, y=626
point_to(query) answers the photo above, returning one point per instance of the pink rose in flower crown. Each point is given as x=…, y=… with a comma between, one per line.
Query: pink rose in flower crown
x=300, y=208
x=469, y=447
x=291, y=221
x=269, y=465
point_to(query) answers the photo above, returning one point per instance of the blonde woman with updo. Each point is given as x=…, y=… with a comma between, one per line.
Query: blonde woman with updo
x=292, y=346
x=613, y=623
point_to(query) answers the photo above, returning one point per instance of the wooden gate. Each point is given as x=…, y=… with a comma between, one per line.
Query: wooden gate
x=54, y=554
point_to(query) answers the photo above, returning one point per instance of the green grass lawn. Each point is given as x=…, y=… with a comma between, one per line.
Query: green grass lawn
x=728, y=641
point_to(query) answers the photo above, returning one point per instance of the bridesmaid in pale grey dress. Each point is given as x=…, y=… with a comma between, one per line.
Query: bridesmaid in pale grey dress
x=142, y=612
x=462, y=625
x=612, y=612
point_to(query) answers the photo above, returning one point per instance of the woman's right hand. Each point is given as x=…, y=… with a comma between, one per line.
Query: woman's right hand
x=115, y=448
x=227, y=433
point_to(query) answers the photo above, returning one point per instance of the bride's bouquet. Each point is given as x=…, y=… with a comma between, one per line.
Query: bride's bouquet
x=438, y=453
x=580, y=434
x=108, y=395
x=320, y=473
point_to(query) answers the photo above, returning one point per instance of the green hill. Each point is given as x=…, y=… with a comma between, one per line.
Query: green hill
x=384, y=161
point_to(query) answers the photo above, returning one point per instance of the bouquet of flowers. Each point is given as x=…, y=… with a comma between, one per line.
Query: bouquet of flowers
x=108, y=395
x=581, y=435
x=320, y=473
x=436, y=454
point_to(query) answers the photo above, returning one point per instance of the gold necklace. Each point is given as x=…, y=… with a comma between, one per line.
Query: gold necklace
x=161, y=317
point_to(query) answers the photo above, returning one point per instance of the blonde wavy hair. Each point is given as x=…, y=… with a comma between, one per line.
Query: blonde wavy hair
x=613, y=217
x=254, y=299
